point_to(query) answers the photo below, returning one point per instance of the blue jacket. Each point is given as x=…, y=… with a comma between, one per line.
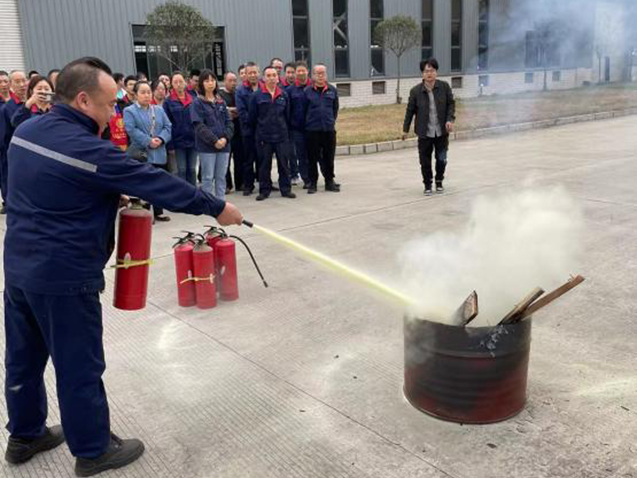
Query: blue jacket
x=242, y=96
x=139, y=123
x=270, y=116
x=296, y=92
x=321, y=108
x=183, y=134
x=23, y=113
x=6, y=128
x=63, y=202
x=211, y=122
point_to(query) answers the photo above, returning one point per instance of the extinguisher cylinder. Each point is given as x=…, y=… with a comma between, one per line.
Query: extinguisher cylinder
x=184, y=268
x=204, y=270
x=226, y=259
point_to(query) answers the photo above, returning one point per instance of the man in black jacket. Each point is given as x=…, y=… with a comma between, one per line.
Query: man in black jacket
x=433, y=104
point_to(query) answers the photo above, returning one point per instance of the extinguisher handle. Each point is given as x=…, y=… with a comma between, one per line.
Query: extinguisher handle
x=251, y=257
x=247, y=223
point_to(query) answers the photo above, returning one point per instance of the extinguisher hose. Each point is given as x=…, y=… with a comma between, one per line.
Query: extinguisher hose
x=251, y=257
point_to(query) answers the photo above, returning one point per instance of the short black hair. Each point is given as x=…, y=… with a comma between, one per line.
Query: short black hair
x=432, y=62
x=276, y=58
x=129, y=78
x=4, y=73
x=156, y=83
x=290, y=64
x=140, y=75
x=175, y=73
x=301, y=63
x=269, y=67
x=242, y=66
x=251, y=64
x=80, y=75
x=140, y=83
x=195, y=72
x=163, y=73
x=33, y=72
x=54, y=70
x=118, y=77
x=203, y=76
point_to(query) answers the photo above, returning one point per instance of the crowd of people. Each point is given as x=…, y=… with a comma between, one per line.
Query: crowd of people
x=223, y=138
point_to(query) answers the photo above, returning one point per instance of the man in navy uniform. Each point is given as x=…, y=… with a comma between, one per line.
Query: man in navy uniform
x=269, y=116
x=62, y=204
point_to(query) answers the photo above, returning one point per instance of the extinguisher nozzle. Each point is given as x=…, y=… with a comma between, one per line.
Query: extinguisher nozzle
x=248, y=223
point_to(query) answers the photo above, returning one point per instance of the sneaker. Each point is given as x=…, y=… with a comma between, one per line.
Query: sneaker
x=333, y=187
x=439, y=188
x=290, y=195
x=262, y=197
x=428, y=191
x=311, y=189
x=120, y=453
x=20, y=450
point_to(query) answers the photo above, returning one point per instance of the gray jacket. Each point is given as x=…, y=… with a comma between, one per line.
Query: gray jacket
x=419, y=105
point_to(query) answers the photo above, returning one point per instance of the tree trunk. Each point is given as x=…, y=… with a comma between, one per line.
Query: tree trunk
x=398, y=98
x=546, y=87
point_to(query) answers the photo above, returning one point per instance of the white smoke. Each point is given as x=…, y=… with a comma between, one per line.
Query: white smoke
x=512, y=244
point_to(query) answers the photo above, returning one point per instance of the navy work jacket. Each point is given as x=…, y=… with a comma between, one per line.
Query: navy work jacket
x=296, y=92
x=64, y=188
x=212, y=122
x=270, y=115
x=321, y=108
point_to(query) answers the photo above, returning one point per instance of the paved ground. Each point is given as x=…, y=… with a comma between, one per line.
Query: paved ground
x=304, y=379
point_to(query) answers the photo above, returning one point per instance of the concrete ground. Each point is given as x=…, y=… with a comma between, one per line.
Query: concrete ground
x=304, y=379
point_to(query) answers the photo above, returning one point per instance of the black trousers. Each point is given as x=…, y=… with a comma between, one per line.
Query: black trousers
x=157, y=210
x=425, y=147
x=321, y=148
x=236, y=157
x=267, y=150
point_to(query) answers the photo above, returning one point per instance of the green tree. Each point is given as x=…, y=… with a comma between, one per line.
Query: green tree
x=398, y=34
x=180, y=33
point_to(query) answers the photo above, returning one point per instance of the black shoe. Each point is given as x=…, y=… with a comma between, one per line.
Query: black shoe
x=290, y=195
x=262, y=197
x=311, y=189
x=20, y=450
x=428, y=191
x=333, y=187
x=306, y=185
x=120, y=453
x=162, y=218
x=439, y=188
x=275, y=188
x=248, y=191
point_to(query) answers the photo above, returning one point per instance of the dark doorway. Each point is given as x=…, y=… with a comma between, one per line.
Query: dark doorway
x=607, y=69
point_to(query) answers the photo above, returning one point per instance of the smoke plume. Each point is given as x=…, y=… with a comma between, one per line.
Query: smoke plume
x=513, y=243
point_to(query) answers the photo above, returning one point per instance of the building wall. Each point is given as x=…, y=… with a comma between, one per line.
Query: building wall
x=11, y=52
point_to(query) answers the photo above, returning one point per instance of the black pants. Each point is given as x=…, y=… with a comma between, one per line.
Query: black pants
x=321, y=148
x=251, y=160
x=425, y=147
x=157, y=210
x=236, y=157
x=267, y=150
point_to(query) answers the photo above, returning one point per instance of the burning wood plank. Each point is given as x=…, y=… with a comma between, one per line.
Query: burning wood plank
x=467, y=311
x=547, y=299
x=519, y=309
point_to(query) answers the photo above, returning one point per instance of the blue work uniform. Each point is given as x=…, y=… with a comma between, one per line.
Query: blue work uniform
x=252, y=158
x=6, y=132
x=62, y=205
x=298, y=161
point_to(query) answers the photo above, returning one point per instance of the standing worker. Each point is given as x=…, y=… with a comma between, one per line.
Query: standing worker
x=320, y=129
x=228, y=93
x=435, y=109
x=250, y=154
x=296, y=92
x=40, y=96
x=269, y=115
x=60, y=233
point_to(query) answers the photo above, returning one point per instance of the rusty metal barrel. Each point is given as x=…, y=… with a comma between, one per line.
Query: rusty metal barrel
x=467, y=374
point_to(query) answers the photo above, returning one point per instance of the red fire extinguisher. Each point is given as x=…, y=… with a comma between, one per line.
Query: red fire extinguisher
x=203, y=259
x=133, y=254
x=226, y=263
x=184, y=269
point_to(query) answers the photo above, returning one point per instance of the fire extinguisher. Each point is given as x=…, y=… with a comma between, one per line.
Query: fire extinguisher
x=184, y=269
x=213, y=235
x=203, y=259
x=133, y=257
x=226, y=265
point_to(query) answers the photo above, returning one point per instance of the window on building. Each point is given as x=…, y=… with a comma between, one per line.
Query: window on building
x=341, y=38
x=150, y=59
x=557, y=75
x=344, y=89
x=301, y=30
x=456, y=82
x=542, y=49
x=379, y=87
x=529, y=77
x=376, y=14
x=483, y=80
x=483, y=35
x=427, y=45
x=456, y=35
